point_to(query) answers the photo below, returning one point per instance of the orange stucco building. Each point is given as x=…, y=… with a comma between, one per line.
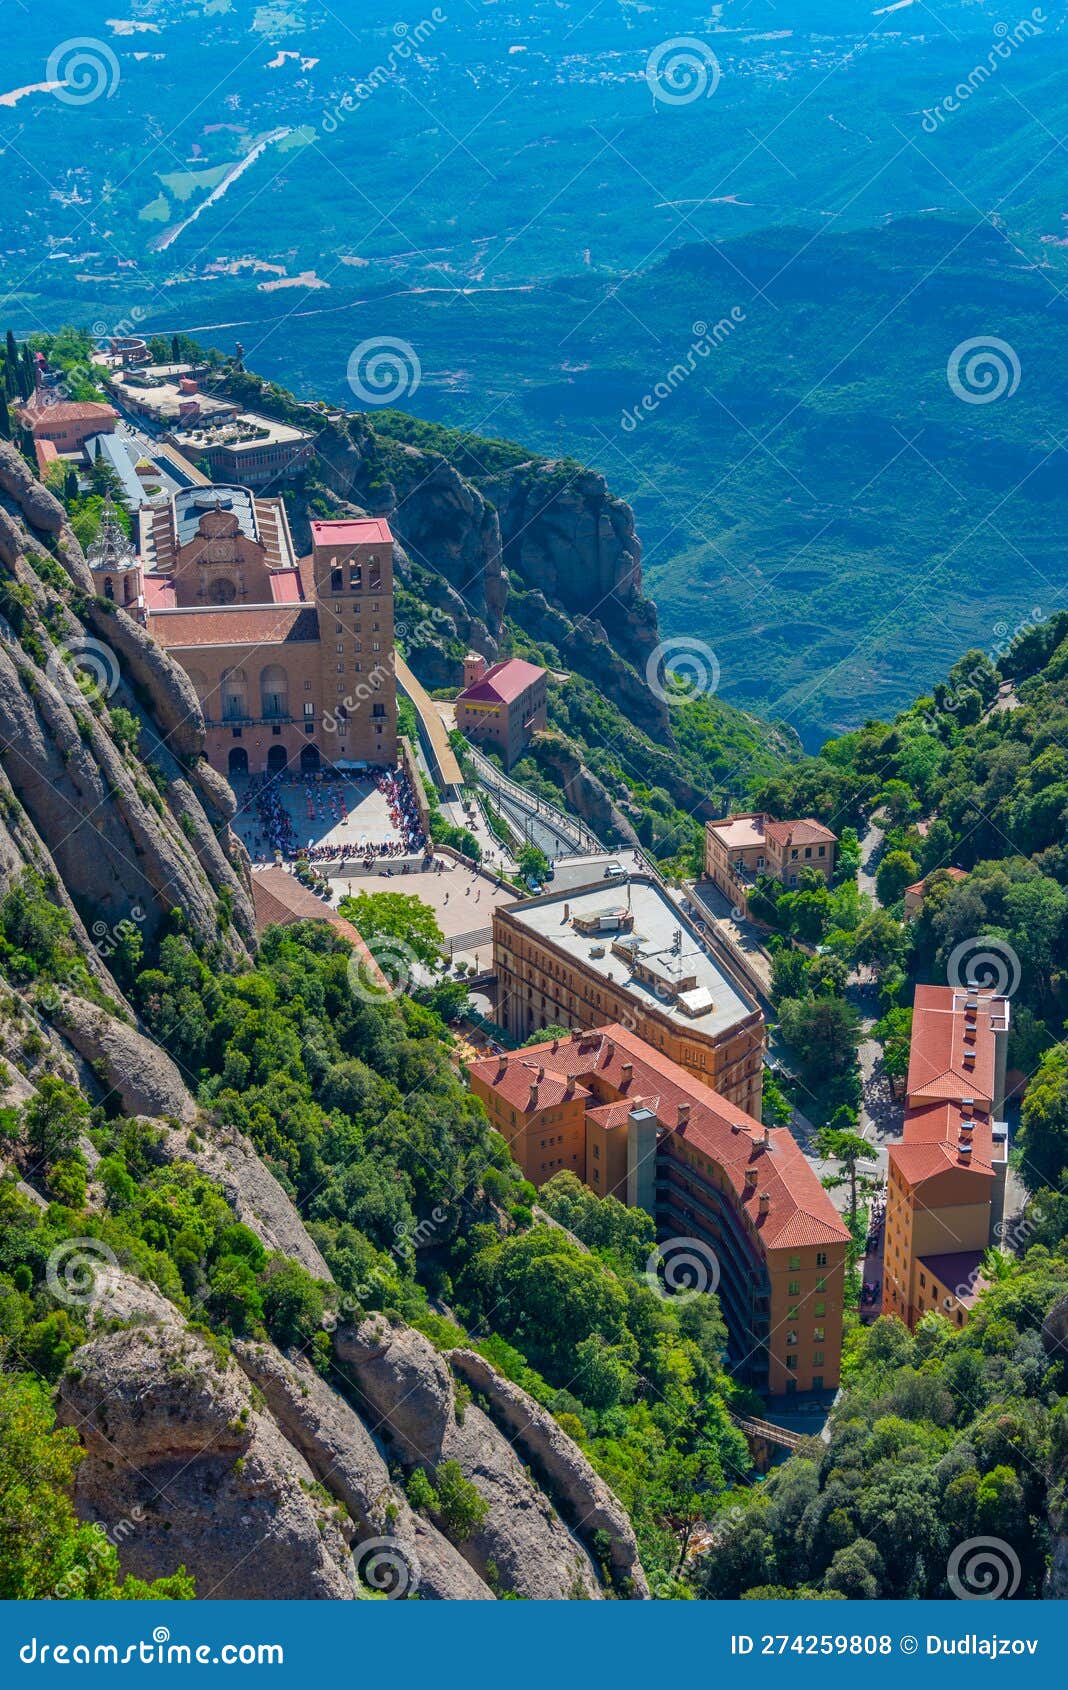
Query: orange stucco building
x=291, y=658
x=739, y=848
x=630, y=1123
x=946, y=1182
x=627, y=953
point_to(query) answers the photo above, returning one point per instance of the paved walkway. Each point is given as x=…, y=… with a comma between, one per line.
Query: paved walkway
x=463, y=902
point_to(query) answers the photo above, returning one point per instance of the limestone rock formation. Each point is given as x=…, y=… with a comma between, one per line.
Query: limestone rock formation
x=410, y=1392
x=346, y=1459
x=105, y=831
x=142, y=1075
x=557, y=1460
x=177, y=1449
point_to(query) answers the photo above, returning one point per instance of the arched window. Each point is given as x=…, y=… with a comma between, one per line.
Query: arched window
x=234, y=691
x=274, y=692
x=109, y=587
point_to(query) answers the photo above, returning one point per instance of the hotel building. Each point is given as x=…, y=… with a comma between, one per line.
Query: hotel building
x=626, y=953
x=630, y=1123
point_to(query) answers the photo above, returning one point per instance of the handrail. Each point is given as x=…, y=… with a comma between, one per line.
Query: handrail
x=566, y=825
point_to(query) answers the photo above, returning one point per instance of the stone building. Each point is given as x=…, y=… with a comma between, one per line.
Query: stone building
x=600, y=953
x=502, y=706
x=752, y=1215
x=291, y=658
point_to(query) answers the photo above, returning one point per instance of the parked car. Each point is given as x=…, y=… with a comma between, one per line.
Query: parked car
x=614, y=871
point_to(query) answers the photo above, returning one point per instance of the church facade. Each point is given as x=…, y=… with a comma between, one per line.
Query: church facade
x=292, y=657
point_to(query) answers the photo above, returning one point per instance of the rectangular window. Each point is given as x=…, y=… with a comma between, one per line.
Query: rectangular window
x=821, y=1285
x=794, y=1288
x=309, y=708
x=821, y=1258
x=819, y=1308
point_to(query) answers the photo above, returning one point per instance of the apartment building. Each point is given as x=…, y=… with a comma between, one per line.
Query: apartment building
x=631, y=1123
x=600, y=953
x=946, y=1182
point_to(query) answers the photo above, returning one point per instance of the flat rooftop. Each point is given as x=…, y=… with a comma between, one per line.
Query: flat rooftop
x=244, y=433
x=738, y=832
x=661, y=940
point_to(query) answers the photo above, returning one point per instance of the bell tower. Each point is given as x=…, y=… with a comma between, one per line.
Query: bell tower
x=352, y=565
x=115, y=565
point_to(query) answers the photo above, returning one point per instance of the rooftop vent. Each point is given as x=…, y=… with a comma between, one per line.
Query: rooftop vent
x=765, y=1202
x=627, y=1072
x=684, y=1113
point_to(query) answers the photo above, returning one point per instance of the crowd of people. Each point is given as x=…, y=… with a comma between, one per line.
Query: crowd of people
x=327, y=808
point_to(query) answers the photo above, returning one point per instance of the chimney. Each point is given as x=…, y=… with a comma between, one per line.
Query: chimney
x=541, y=1071
x=569, y=1089
x=684, y=1114
x=533, y=1098
x=750, y=1179
x=765, y=1203
x=964, y=1151
x=609, y=1045
x=627, y=1072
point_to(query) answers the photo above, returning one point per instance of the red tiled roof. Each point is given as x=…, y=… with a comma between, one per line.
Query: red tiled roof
x=159, y=592
x=805, y=831
x=279, y=900
x=800, y=1211
x=233, y=626
x=36, y=415
x=502, y=684
x=954, y=874
x=362, y=531
x=937, y=1068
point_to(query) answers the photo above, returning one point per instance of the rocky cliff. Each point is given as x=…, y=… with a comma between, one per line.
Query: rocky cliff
x=490, y=534
x=259, y=1474
x=131, y=827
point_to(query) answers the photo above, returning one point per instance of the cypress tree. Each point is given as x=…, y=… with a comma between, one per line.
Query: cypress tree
x=5, y=418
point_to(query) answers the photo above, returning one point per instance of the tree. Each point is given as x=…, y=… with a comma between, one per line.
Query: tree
x=293, y=1302
x=460, y=1508
x=1043, y=1137
x=396, y=916
x=54, y=1118
x=533, y=863
x=45, y=1551
x=848, y=859
x=5, y=418
x=825, y=1033
x=547, y=1034
x=841, y=1143
x=897, y=870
